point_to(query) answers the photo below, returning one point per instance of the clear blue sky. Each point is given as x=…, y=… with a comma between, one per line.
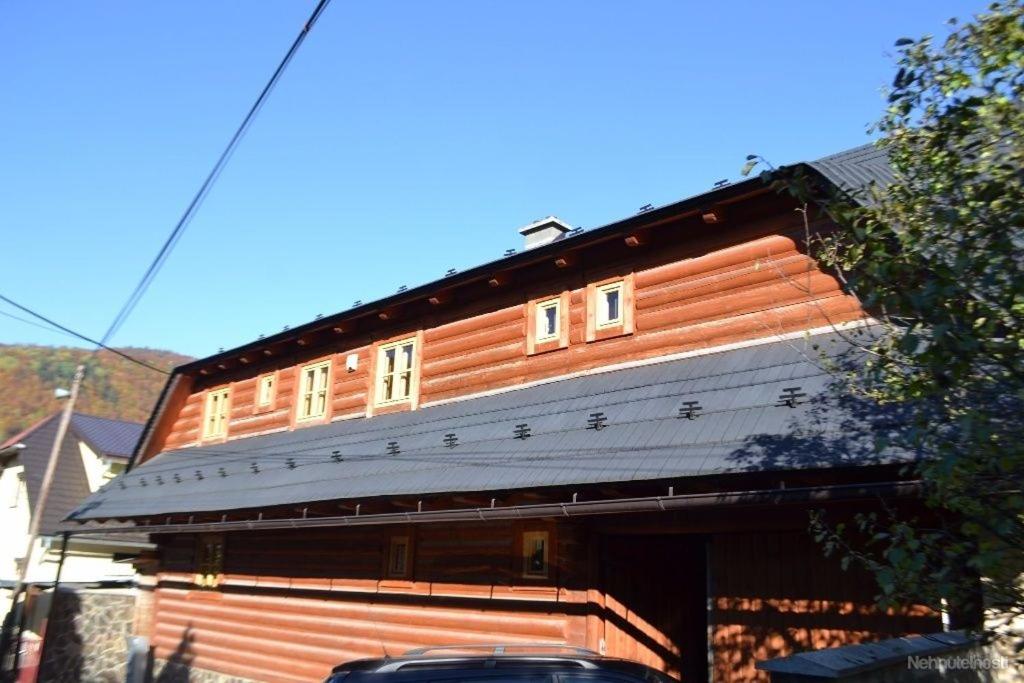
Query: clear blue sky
x=406, y=138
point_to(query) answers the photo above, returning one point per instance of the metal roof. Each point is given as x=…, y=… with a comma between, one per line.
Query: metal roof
x=112, y=438
x=742, y=424
x=854, y=169
x=70, y=486
x=851, y=169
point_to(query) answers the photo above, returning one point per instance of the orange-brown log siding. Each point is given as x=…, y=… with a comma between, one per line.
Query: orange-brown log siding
x=292, y=604
x=751, y=282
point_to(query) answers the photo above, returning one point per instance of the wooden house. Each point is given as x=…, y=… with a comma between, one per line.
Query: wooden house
x=95, y=451
x=611, y=438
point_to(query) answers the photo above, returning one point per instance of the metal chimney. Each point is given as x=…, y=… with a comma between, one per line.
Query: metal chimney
x=544, y=231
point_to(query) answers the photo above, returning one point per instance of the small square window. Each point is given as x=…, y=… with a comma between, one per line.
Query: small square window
x=265, y=391
x=535, y=554
x=548, y=323
x=609, y=305
x=215, y=421
x=395, y=368
x=314, y=390
x=398, y=556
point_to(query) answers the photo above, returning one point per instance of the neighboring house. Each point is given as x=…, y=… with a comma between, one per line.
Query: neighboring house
x=611, y=439
x=94, y=451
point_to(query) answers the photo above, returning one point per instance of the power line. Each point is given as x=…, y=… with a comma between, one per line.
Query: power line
x=190, y=211
x=79, y=335
x=33, y=324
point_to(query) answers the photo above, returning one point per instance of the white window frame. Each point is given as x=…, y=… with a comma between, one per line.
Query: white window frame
x=601, y=320
x=529, y=541
x=540, y=320
x=218, y=426
x=311, y=390
x=395, y=375
x=270, y=382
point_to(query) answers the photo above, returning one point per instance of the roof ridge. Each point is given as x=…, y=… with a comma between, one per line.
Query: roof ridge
x=28, y=430
x=105, y=419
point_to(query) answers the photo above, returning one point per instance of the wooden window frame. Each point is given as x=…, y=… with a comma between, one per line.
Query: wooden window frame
x=225, y=393
x=526, y=539
x=271, y=403
x=601, y=304
x=378, y=375
x=406, y=542
x=535, y=344
x=625, y=325
x=209, y=570
x=300, y=392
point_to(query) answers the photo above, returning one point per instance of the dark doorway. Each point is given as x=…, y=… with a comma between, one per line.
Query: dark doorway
x=656, y=594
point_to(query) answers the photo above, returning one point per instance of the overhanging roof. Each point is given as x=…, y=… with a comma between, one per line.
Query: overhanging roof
x=110, y=438
x=849, y=170
x=743, y=424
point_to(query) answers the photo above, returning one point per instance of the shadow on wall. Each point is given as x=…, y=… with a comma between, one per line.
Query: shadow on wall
x=178, y=667
x=62, y=657
x=814, y=603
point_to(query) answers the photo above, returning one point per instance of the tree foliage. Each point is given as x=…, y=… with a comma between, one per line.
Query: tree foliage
x=113, y=388
x=937, y=256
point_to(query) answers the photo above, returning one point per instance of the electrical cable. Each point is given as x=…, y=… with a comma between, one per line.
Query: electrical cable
x=73, y=333
x=204, y=188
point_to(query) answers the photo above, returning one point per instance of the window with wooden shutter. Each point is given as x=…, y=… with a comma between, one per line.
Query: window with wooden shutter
x=265, y=391
x=396, y=371
x=209, y=560
x=314, y=389
x=215, y=418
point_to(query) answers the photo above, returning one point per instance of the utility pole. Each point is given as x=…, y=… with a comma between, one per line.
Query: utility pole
x=44, y=492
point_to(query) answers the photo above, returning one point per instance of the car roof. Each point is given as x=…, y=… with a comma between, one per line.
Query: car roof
x=421, y=661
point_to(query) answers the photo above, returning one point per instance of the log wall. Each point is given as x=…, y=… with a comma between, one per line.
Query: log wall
x=692, y=291
x=292, y=605
x=776, y=594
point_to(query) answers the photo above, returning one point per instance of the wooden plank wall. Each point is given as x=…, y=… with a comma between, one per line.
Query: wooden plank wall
x=292, y=605
x=748, y=282
x=776, y=593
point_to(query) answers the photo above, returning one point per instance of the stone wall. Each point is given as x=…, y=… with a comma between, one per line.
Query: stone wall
x=86, y=636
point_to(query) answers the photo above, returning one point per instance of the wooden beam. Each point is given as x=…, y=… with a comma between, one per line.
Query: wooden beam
x=712, y=215
x=440, y=298
x=638, y=238
x=566, y=260
x=389, y=313
x=499, y=280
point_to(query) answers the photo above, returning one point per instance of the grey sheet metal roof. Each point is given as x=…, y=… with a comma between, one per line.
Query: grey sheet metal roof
x=854, y=169
x=741, y=426
x=113, y=438
x=70, y=482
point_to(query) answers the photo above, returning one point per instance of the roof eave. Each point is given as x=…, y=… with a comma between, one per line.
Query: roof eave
x=518, y=260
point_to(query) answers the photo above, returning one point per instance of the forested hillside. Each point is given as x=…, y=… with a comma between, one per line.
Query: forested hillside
x=114, y=387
